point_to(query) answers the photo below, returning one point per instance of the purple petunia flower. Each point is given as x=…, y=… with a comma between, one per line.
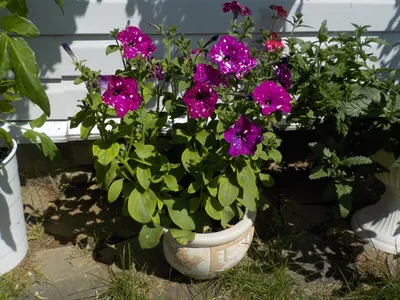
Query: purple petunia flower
x=122, y=94
x=243, y=137
x=103, y=83
x=207, y=74
x=236, y=8
x=135, y=43
x=200, y=100
x=232, y=56
x=272, y=97
x=283, y=74
x=158, y=71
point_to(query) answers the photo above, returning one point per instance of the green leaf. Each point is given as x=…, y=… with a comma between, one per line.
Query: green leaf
x=171, y=183
x=180, y=216
x=147, y=91
x=212, y=187
x=190, y=158
x=183, y=237
x=144, y=151
x=318, y=173
x=180, y=137
x=343, y=189
x=111, y=49
x=60, y=5
x=213, y=208
x=141, y=206
x=246, y=178
x=356, y=107
x=275, y=155
x=6, y=107
x=78, y=118
x=104, y=151
x=248, y=200
x=323, y=32
x=18, y=6
x=4, y=59
x=356, y=160
x=396, y=164
x=115, y=190
x=19, y=25
x=37, y=123
x=7, y=137
x=150, y=235
x=143, y=176
x=202, y=136
x=227, y=215
x=266, y=179
x=194, y=187
x=87, y=126
x=194, y=204
x=105, y=174
x=26, y=72
x=183, y=85
x=48, y=148
x=228, y=191
x=345, y=205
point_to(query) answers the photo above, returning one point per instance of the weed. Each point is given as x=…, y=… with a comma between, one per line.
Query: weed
x=16, y=284
x=262, y=276
x=127, y=284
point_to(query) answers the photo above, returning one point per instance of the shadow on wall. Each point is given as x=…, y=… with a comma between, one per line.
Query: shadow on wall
x=390, y=56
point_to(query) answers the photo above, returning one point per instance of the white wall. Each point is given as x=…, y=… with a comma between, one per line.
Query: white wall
x=86, y=25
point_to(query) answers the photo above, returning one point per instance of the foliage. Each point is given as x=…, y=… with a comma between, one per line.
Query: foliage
x=183, y=149
x=19, y=72
x=353, y=106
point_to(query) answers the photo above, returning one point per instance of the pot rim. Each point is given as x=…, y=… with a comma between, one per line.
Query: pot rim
x=10, y=155
x=213, y=239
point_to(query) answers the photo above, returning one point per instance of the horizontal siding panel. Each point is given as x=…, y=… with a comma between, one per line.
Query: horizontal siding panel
x=205, y=16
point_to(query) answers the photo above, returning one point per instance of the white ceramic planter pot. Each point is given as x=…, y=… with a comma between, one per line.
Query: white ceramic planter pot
x=379, y=224
x=211, y=253
x=13, y=238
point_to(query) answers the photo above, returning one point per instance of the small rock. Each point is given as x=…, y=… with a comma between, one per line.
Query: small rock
x=84, y=241
x=75, y=178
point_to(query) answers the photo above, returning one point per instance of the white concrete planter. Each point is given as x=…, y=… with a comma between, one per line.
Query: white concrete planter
x=379, y=224
x=13, y=238
x=211, y=253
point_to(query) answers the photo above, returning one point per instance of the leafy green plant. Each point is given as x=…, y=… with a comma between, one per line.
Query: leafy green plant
x=183, y=145
x=353, y=106
x=19, y=73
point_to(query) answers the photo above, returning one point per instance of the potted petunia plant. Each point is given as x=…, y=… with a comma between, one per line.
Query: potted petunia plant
x=186, y=140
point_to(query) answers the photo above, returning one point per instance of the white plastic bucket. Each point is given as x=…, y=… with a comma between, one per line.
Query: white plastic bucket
x=13, y=238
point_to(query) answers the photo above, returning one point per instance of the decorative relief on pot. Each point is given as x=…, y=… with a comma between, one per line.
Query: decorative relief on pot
x=206, y=262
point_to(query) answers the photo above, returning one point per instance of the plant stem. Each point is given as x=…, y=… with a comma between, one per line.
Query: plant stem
x=120, y=52
x=126, y=165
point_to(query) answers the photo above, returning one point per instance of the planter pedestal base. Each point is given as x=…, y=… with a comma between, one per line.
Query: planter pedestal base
x=379, y=224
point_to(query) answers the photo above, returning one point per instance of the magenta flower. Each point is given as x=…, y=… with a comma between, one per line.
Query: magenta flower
x=243, y=137
x=232, y=56
x=272, y=97
x=245, y=67
x=122, y=94
x=236, y=8
x=207, y=74
x=135, y=43
x=283, y=74
x=200, y=100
